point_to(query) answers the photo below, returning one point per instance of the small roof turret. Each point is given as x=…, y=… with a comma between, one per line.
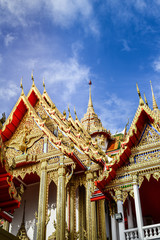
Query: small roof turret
x=90, y=121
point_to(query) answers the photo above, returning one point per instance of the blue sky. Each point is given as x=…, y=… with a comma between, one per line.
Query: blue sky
x=114, y=43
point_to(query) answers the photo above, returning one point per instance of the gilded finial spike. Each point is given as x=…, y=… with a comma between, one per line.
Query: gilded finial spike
x=153, y=98
x=44, y=91
x=75, y=112
x=21, y=86
x=146, y=102
x=69, y=111
x=90, y=104
x=141, y=102
x=32, y=79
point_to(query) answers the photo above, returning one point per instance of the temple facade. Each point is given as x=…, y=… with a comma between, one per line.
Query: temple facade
x=79, y=181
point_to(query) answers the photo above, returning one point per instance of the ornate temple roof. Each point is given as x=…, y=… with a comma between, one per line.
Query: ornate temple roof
x=72, y=139
x=144, y=115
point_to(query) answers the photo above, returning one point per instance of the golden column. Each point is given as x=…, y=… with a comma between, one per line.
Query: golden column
x=72, y=210
x=90, y=208
x=101, y=219
x=61, y=201
x=41, y=225
x=82, y=212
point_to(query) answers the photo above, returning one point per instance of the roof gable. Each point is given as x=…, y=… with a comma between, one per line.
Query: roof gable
x=150, y=135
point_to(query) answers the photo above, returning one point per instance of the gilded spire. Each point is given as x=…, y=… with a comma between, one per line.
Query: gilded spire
x=21, y=86
x=90, y=121
x=44, y=91
x=32, y=79
x=141, y=102
x=146, y=102
x=153, y=98
x=90, y=104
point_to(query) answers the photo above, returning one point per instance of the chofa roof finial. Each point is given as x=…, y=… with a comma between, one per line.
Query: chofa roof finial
x=75, y=113
x=21, y=86
x=146, y=102
x=141, y=102
x=32, y=79
x=153, y=98
x=44, y=91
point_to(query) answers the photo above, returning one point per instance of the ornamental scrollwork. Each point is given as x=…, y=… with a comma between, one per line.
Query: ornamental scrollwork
x=31, y=169
x=53, y=176
x=156, y=175
x=150, y=136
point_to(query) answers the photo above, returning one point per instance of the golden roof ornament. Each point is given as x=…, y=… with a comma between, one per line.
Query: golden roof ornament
x=90, y=104
x=44, y=91
x=32, y=79
x=21, y=86
x=90, y=121
x=141, y=102
x=146, y=102
x=64, y=113
x=75, y=113
x=153, y=98
x=69, y=111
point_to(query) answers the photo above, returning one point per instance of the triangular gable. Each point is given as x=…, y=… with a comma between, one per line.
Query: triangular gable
x=150, y=135
x=143, y=116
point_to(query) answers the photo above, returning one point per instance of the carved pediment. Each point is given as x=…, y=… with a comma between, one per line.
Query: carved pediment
x=150, y=135
x=26, y=139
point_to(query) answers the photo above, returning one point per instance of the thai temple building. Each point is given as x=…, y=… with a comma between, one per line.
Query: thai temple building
x=72, y=179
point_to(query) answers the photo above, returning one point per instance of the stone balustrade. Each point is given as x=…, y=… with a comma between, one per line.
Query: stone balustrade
x=151, y=231
x=131, y=234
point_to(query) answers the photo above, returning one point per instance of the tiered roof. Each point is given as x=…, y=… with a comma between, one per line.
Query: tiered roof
x=143, y=116
x=73, y=140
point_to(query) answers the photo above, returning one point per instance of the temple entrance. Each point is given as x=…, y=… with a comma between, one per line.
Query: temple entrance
x=30, y=200
x=82, y=212
x=150, y=200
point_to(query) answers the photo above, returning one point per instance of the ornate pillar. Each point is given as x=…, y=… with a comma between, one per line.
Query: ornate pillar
x=90, y=208
x=41, y=225
x=101, y=219
x=130, y=214
x=61, y=202
x=113, y=222
x=82, y=212
x=72, y=211
x=138, y=207
x=119, y=198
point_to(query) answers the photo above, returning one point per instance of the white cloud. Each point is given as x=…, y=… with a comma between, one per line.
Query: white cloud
x=156, y=65
x=114, y=113
x=62, y=12
x=133, y=11
x=9, y=91
x=8, y=39
x=70, y=73
x=125, y=46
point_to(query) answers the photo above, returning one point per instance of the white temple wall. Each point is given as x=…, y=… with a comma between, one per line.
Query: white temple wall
x=31, y=196
x=52, y=199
